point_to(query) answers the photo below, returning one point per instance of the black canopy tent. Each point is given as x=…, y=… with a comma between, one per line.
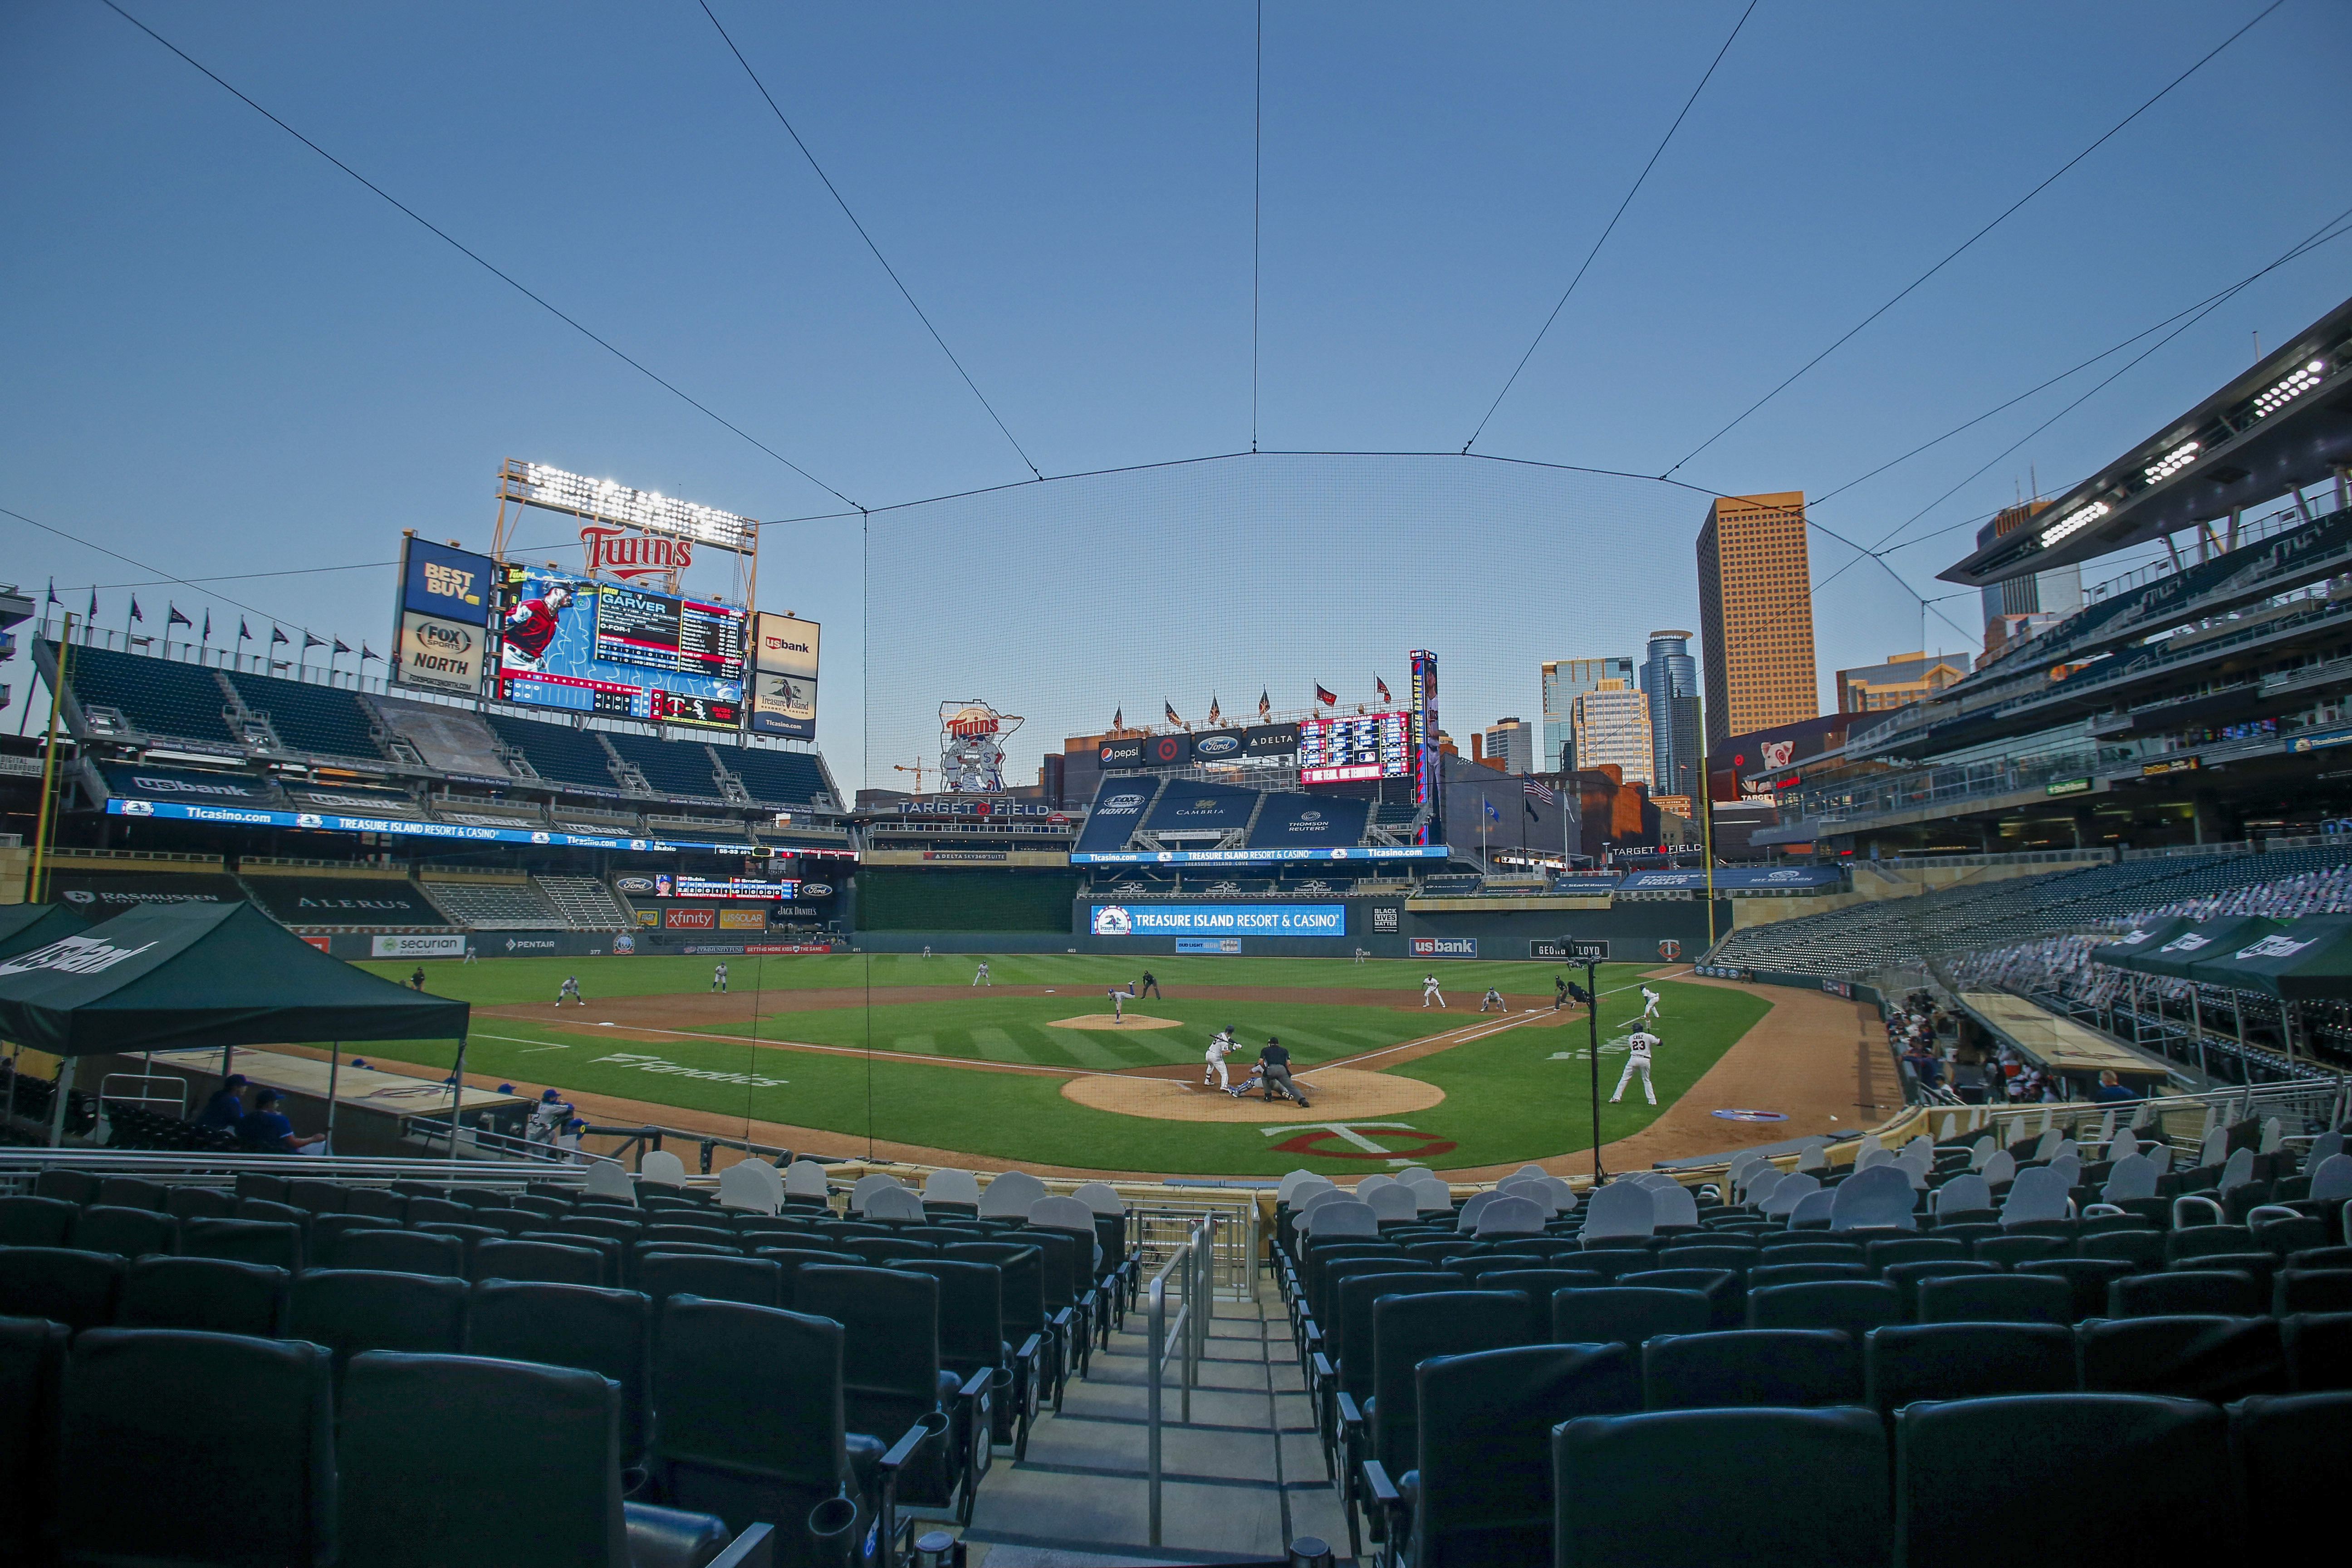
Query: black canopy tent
x=2126, y=950
x=2185, y=954
x=204, y=976
x=27, y=926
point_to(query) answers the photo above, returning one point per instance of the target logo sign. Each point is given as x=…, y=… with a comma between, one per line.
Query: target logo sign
x=1355, y=1140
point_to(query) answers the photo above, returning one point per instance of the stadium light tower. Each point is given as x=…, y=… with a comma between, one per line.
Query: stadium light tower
x=668, y=527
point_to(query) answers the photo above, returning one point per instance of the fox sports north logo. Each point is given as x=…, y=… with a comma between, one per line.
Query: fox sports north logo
x=1110, y=920
x=1123, y=802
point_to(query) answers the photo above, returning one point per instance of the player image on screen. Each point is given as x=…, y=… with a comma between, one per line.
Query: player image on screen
x=591, y=647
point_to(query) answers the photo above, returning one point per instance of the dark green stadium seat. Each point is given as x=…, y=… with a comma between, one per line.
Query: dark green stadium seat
x=187, y=1202
x=2140, y=1249
x=1750, y=1367
x=536, y=1260
x=1773, y=1275
x=1907, y=1276
x=60, y=1283
x=262, y=1187
x=76, y=1187
x=1626, y=1315
x=213, y=1294
x=35, y=1222
x=2318, y=1347
x=1879, y=1254
x=244, y=1241
x=2177, y=1292
x=2311, y=1290
x=2011, y=1251
x=180, y=1421
x=1539, y=1286
x=131, y=1233
x=134, y=1192
x=1624, y=1485
x=606, y=1332
x=32, y=1367
x=398, y=1252
x=2290, y=1453
x=2190, y=1357
x=1997, y=1298
x=1855, y=1306
x=1410, y=1330
x=1905, y=1363
x=890, y=1371
x=318, y=1197
x=755, y=1281
x=2103, y=1463
x=353, y=1310
x=2088, y=1277
x=1021, y=1269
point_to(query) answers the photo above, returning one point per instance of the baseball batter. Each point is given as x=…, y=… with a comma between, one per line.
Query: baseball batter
x=1221, y=1046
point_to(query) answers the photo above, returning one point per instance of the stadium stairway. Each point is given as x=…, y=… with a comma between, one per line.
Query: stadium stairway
x=1241, y=1481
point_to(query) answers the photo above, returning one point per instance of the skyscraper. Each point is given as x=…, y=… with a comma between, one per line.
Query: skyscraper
x=1670, y=676
x=1611, y=724
x=1564, y=679
x=1756, y=615
x=2041, y=598
x=1510, y=745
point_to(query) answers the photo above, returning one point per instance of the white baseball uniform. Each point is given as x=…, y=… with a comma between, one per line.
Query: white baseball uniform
x=1649, y=1003
x=980, y=977
x=1638, y=1046
x=1429, y=989
x=1220, y=1046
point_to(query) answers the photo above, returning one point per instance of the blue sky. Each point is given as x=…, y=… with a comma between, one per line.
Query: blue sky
x=224, y=356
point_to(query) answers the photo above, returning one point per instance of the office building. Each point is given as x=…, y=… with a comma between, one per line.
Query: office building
x=1903, y=679
x=1756, y=615
x=2021, y=608
x=1609, y=725
x=1510, y=745
x=1670, y=678
x=1564, y=681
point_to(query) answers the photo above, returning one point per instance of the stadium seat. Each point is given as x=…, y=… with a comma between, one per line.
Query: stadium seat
x=1881, y=1255
x=62, y=1284
x=610, y=1252
x=1749, y=1367
x=244, y=1241
x=755, y=1281
x=890, y=1371
x=2311, y=1290
x=1996, y=1298
x=132, y=1193
x=2192, y=1357
x=1539, y=1286
x=2137, y=1248
x=1484, y=1488
x=2318, y=1347
x=1905, y=1363
x=36, y=1221
x=199, y=1202
x=181, y=1420
x=1716, y=1252
x=398, y=1252
x=972, y=1347
x=1618, y=1315
x=2105, y=1464
x=1907, y=1278
x=752, y=1430
x=1855, y=1306
x=1624, y=1487
x=74, y=1187
x=211, y=1294
x=2176, y=1291
x=1721, y=1287
x=792, y=1259
x=2201, y=1240
x=353, y=1310
x=2088, y=1277
x=1022, y=1270
x=1410, y=1330
x=605, y=1331
x=2290, y=1450
x=129, y=1232
x=32, y=1366
x=537, y=1261
x=432, y=1462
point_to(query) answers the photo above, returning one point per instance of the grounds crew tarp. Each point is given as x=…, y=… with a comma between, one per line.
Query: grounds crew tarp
x=2196, y=944
x=2307, y=960
x=213, y=975
x=23, y=927
x=2125, y=950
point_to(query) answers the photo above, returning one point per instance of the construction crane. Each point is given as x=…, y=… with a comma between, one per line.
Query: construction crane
x=917, y=770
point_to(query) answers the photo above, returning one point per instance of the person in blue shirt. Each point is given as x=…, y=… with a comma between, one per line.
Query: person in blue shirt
x=2110, y=1090
x=226, y=1109
x=266, y=1129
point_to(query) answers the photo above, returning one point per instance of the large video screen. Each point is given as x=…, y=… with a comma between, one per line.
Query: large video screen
x=1367, y=746
x=588, y=646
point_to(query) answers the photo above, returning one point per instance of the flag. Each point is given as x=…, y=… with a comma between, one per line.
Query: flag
x=341, y=647
x=93, y=606
x=278, y=634
x=1264, y=705
x=367, y=653
x=1213, y=716
x=1327, y=698
x=1169, y=708
x=53, y=598
x=1492, y=815
x=1118, y=718
x=242, y=633
x=134, y=609
x=1539, y=790
x=1531, y=807
x=1384, y=689
x=309, y=642
x=172, y=616
x=208, y=626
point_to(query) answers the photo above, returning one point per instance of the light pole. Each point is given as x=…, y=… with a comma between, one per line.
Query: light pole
x=1591, y=954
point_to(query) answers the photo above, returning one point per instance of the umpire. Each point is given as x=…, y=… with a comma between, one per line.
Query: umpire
x=1273, y=1066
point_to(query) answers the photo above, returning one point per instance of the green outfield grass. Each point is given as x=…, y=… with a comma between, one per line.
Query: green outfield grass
x=1519, y=1094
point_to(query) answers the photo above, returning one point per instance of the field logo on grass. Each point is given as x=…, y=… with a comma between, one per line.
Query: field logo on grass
x=1311, y=1139
x=644, y=1063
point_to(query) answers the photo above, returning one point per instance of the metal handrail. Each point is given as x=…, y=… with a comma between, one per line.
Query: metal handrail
x=1187, y=1338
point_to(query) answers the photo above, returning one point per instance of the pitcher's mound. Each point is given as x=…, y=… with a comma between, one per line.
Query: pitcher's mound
x=1105, y=1021
x=1337, y=1094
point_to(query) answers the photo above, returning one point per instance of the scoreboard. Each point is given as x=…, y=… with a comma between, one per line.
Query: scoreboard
x=1346, y=749
x=609, y=647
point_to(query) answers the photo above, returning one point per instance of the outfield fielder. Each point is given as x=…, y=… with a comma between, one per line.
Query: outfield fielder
x=1221, y=1046
x=979, y=976
x=1648, y=1003
x=718, y=980
x=1638, y=1046
x=1429, y=989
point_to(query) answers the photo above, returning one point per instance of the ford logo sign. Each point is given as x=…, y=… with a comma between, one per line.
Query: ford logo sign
x=1216, y=746
x=816, y=890
x=635, y=884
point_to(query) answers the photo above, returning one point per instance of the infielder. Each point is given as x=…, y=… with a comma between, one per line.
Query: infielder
x=1429, y=990
x=571, y=989
x=979, y=976
x=1494, y=998
x=469, y=952
x=718, y=979
x=1221, y=1046
x=1648, y=1003
x=1638, y=1046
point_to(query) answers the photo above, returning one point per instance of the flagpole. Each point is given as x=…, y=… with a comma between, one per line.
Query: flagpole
x=50, y=768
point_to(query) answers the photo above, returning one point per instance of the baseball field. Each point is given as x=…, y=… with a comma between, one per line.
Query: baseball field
x=1030, y=1066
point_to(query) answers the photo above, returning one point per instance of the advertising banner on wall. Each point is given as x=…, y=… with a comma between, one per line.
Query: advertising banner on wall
x=784, y=675
x=742, y=919
x=1219, y=920
x=450, y=946
x=441, y=640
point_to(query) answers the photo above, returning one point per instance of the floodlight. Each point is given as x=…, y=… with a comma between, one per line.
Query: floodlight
x=2172, y=462
x=2074, y=522
x=650, y=511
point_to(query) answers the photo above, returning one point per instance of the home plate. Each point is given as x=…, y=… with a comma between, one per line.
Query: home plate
x=1334, y=1094
x=1105, y=1021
